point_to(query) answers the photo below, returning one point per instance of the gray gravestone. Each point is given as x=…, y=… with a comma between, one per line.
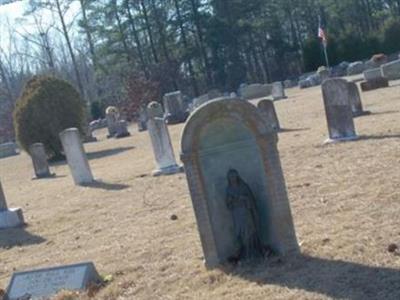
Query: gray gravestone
x=255, y=91
x=9, y=217
x=8, y=149
x=121, y=129
x=175, y=110
x=267, y=110
x=391, y=70
x=161, y=141
x=43, y=283
x=372, y=74
x=76, y=156
x=229, y=135
x=142, y=120
x=338, y=110
x=278, y=91
x=112, y=117
x=355, y=100
x=39, y=160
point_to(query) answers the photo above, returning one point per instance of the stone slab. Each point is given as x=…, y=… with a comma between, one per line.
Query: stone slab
x=374, y=84
x=372, y=74
x=8, y=149
x=391, y=70
x=42, y=283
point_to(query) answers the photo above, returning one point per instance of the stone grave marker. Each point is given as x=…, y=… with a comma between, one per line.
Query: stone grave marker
x=233, y=171
x=374, y=84
x=112, y=117
x=8, y=149
x=267, y=110
x=371, y=74
x=355, y=100
x=161, y=141
x=39, y=160
x=278, y=91
x=44, y=283
x=76, y=156
x=9, y=217
x=391, y=70
x=121, y=129
x=142, y=120
x=338, y=110
x=175, y=110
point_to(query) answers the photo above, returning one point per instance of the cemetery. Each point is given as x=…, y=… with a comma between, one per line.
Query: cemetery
x=193, y=149
x=325, y=210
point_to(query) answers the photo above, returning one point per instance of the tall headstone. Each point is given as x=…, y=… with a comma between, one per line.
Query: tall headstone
x=9, y=217
x=278, y=91
x=236, y=182
x=161, y=141
x=175, y=110
x=338, y=110
x=39, y=160
x=268, y=112
x=142, y=120
x=355, y=100
x=76, y=156
x=112, y=117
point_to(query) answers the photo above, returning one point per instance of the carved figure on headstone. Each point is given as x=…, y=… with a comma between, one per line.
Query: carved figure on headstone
x=242, y=205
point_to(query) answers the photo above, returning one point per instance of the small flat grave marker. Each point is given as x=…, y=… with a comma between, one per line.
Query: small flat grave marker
x=43, y=283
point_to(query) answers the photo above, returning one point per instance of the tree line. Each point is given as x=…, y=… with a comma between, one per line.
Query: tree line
x=109, y=48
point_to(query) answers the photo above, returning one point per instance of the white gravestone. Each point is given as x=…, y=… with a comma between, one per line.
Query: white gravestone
x=161, y=141
x=391, y=70
x=39, y=160
x=9, y=217
x=76, y=156
x=43, y=283
x=278, y=91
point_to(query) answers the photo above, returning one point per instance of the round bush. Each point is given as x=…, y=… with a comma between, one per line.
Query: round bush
x=46, y=107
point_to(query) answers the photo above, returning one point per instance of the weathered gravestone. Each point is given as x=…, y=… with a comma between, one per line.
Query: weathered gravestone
x=267, y=110
x=8, y=149
x=44, y=283
x=161, y=141
x=121, y=129
x=142, y=120
x=39, y=160
x=374, y=84
x=88, y=135
x=9, y=217
x=236, y=182
x=355, y=100
x=391, y=70
x=278, y=91
x=355, y=68
x=323, y=73
x=112, y=117
x=338, y=110
x=255, y=90
x=372, y=74
x=205, y=98
x=175, y=110
x=76, y=156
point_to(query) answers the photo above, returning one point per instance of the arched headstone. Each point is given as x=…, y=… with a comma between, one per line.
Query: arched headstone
x=161, y=141
x=267, y=110
x=355, y=100
x=228, y=136
x=76, y=156
x=39, y=160
x=338, y=111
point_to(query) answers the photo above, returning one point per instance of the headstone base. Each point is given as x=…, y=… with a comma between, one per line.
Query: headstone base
x=12, y=217
x=43, y=176
x=89, y=139
x=339, y=140
x=122, y=135
x=168, y=170
x=374, y=84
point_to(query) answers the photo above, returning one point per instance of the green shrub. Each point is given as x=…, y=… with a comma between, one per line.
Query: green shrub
x=46, y=107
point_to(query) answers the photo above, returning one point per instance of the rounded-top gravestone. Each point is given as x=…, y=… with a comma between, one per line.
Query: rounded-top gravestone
x=39, y=160
x=355, y=100
x=267, y=110
x=236, y=182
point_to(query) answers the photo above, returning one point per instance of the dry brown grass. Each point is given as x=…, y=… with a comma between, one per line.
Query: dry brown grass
x=345, y=201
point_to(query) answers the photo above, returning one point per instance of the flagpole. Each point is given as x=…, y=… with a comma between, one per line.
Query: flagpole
x=326, y=55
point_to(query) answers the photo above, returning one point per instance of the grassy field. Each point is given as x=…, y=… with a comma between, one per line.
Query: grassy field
x=345, y=201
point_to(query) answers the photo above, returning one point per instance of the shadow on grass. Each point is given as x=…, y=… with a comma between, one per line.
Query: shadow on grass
x=106, y=186
x=378, y=137
x=283, y=130
x=333, y=278
x=18, y=237
x=384, y=112
x=107, y=152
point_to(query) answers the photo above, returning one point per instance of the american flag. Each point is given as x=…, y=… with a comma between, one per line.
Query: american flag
x=321, y=32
